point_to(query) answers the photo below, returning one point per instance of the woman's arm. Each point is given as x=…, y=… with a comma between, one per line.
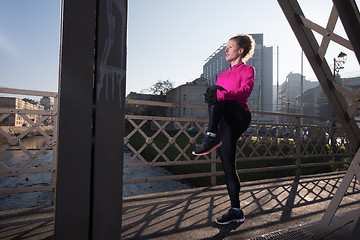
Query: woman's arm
x=244, y=87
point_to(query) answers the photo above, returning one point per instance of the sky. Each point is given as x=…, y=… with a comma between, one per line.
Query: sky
x=167, y=40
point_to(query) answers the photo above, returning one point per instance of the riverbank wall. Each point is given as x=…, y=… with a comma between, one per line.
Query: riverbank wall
x=12, y=130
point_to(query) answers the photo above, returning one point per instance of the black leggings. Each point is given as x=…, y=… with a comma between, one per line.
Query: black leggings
x=229, y=119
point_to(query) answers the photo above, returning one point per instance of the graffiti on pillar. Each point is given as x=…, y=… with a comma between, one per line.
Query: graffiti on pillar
x=112, y=64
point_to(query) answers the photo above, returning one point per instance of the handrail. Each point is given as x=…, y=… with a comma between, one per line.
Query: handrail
x=204, y=107
x=28, y=92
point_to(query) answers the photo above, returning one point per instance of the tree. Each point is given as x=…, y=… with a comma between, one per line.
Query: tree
x=161, y=87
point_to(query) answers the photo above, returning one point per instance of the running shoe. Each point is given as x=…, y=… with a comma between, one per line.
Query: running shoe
x=230, y=217
x=207, y=145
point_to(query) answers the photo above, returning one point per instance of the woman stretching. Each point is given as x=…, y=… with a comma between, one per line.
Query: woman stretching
x=229, y=117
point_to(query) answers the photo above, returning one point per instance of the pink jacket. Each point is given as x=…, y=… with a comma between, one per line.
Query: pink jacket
x=238, y=82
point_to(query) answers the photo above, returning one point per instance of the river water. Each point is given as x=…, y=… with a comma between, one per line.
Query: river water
x=14, y=157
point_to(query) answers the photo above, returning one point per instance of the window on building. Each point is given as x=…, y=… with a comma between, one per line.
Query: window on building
x=184, y=111
x=184, y=97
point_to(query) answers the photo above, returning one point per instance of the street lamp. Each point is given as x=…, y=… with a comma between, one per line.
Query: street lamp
x=338, y=64
x=341, y=58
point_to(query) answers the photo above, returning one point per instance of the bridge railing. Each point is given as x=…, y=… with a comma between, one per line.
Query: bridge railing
x=26, y=166
x=305, y=144
x=274, y=143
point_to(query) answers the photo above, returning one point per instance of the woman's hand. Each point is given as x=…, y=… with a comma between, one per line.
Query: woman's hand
x=211, y=94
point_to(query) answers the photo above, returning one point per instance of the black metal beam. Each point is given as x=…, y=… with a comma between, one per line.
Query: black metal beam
x=109, y=103
x=310, y=46
x=326, y=79
x=73, y=188
x=350, y=17
x=91, y=119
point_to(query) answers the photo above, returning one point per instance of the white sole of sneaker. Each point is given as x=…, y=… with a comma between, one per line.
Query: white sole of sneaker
x=231, y=221
x=204, y=153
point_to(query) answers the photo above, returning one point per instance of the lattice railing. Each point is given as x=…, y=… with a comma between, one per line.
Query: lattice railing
x=168, y=141
x=265, y=146
x=28, y=153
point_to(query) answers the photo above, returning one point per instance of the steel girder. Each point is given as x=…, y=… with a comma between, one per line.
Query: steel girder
x=91, y=119
x=315, y=53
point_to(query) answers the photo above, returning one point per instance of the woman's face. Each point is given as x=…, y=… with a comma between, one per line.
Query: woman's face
x=232, y=52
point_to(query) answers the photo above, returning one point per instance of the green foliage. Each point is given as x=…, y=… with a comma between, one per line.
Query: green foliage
x=161, y=87
x=149, y=152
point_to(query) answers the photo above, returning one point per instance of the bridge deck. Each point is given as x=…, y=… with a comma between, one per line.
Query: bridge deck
x=275, y=209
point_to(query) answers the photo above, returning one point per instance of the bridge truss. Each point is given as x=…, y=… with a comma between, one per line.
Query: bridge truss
x=303, y=28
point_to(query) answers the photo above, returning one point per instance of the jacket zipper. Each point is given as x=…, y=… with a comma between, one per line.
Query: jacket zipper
x=229, y=72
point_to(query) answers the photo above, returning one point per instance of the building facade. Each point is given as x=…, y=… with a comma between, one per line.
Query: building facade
x=261, y=97
x=46, y=102
x=290, y=91
x=191, y=93
x=16, y=119
x=316, y=103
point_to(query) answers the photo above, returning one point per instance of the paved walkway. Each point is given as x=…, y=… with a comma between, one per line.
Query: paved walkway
x=278, y=209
